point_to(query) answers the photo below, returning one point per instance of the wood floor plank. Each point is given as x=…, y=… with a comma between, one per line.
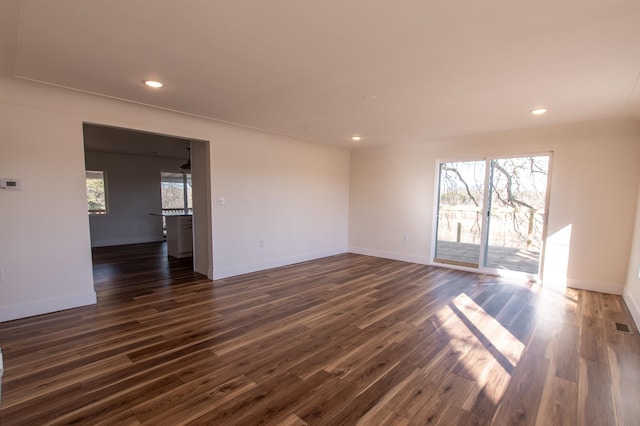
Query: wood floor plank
x=520, y=405
x=565, y=359
x=595, y=395
x=384, y=417
x=625, y=376
x=445, y=402
x=265, y=403
x=365, y=401
x=559, y=404
x=126, y=418
x=593, y=338
x=380, y=410
x=202, y=394
x=293, y=420
x=543, y=339
x=465, y=418
x=347, y=339
x=592, y=304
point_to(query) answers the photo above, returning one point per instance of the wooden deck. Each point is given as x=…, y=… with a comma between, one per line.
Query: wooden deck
x=513, y=259
x=344, y=340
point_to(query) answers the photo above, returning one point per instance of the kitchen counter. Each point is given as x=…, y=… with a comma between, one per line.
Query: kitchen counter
x=179, y=235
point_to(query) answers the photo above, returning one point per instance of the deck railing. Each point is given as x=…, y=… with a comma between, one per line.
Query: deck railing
x=170, y=212
x=509, y=227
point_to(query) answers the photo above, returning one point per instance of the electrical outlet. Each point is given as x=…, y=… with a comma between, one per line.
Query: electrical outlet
x=405, y=237
x=1, y=273
x=261, y=243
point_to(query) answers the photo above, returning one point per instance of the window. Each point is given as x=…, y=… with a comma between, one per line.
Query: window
x=176, y=193
x=96, y=192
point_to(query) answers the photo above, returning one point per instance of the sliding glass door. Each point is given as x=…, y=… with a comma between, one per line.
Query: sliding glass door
x=491, y=213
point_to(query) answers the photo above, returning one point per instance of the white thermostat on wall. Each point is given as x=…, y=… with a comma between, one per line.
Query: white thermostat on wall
x=9, y=183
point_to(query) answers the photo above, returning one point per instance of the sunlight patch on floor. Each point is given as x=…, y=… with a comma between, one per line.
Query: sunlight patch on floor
x=486, y=349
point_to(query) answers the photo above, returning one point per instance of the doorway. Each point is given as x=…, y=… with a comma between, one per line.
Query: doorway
x=132, y=163
x=491, y=213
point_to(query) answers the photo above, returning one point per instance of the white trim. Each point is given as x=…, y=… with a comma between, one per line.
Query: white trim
x=485, y=227
x=232, y=271
x=435, y=210
x=390, y=255
x=45, y=306
x=633, y=306
x=592, y=285
x=462, y=268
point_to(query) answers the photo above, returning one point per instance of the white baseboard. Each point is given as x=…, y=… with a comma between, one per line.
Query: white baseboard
x=44, y=306
x=390, y=255
x=232, y=271
x=601, y=286
x=633, y=306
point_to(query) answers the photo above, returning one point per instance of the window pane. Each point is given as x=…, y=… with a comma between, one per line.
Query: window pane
x=517, y=210
x=460, y=206
x=173, y=192
x=96, y=196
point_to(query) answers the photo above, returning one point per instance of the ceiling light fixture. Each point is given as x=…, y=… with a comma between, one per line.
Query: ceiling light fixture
x=153, y=83
x=538, y=111
x=187, y=166
x=355, y=138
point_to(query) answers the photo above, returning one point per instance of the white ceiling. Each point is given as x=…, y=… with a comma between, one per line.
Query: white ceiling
x=124, y=141
x=301, y=67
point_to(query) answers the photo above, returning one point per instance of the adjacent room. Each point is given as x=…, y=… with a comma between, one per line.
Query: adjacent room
x=319, y=213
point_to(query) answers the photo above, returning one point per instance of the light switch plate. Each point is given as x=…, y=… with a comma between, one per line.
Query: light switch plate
x=10, y=183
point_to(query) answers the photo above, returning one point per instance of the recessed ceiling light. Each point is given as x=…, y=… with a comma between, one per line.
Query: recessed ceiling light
x=153, y=83
x=355, y=138
x=538, y=111
x=369, y=98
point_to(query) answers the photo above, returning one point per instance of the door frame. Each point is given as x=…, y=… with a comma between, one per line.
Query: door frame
x=202, y=212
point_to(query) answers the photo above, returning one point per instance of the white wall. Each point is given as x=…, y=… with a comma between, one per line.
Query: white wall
x=632, y=287
x=592, y=204
x=292, y=197
x=133, y=192
x=291, y=193
x=44, y=229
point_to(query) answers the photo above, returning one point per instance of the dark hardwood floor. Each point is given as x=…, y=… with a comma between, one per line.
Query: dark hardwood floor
x=343, y=340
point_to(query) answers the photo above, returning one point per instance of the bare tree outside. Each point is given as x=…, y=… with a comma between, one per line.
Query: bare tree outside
x=461, y=201
x=96, y=193
x=516, y=210
x=176, y=191
x=173, y=192
x=518, y=197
